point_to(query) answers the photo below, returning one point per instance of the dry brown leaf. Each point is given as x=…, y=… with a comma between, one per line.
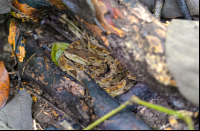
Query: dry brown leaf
x=4, y=85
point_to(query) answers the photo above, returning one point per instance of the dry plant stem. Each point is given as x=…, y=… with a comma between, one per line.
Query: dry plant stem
x=110, y=114
x=34, y=124
x=187, y=119
x=11, y=73
x=40, y=111
x=39, y=126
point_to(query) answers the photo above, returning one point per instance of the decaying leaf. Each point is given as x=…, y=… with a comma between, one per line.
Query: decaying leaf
x=4, y=85
x=101, y=8
x=17, y=112
x=5, y=6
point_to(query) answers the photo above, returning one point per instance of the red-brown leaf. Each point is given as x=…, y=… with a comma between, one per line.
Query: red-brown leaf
x=4, y=85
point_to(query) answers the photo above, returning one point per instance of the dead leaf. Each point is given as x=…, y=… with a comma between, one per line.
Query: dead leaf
x=17, y=112
x=5, y=6
x=4, y=85
x=101, y=8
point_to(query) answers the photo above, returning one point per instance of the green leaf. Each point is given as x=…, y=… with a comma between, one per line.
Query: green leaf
x=57, y=50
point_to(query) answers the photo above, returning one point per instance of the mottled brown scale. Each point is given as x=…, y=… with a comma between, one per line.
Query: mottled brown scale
x=83, y=56
x=66, y=65
x=94, y=59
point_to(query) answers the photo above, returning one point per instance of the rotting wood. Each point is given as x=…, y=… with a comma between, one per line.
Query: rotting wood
x=53, y=81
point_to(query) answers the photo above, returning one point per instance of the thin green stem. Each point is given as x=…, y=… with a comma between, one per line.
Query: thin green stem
x=187, y=119
x=105, y=117
x=136, y=100
x=189, y=122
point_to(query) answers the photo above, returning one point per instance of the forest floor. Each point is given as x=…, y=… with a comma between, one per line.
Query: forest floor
x=44, y=115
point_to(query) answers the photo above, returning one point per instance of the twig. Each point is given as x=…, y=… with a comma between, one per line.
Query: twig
x=11, y=73
x=164, y=126
x=39, y=126
x=34, y=124
x=40, y=111
x=27, y=63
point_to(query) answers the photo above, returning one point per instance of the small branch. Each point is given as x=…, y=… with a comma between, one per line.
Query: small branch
x=11, y=73
x=34, y=124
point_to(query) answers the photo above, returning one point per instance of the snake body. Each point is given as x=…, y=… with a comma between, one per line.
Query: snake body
x=99, y=64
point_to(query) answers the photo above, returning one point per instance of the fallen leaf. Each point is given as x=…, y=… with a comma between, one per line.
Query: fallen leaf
x=17, y=112
x=101, y=8
x=5, y=6
x=4, y=85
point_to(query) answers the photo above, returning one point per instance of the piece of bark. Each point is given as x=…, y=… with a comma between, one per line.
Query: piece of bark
x=139, y=43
